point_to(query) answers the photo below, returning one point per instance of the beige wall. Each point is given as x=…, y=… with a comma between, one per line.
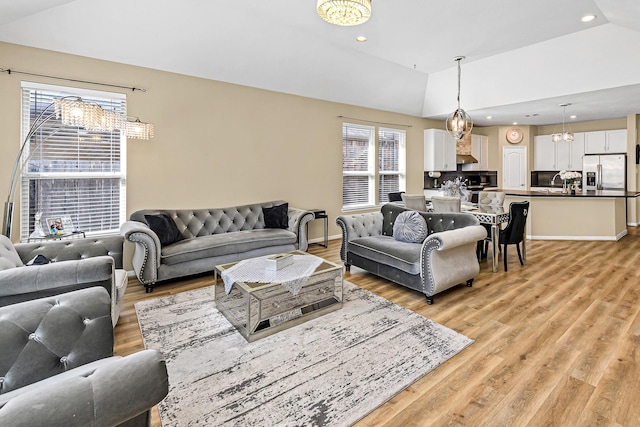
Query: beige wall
x=216, y=144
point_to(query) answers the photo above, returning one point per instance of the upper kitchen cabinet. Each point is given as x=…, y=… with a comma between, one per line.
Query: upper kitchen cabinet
x=479, y=150
x=439, y=150
x=555, y=156
x=609, y=141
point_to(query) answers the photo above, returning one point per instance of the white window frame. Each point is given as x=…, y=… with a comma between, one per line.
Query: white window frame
x=370, y=173
x=26, y=219
x=402, y=158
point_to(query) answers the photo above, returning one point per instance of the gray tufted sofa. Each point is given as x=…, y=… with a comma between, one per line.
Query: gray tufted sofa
x=57, y=369
x=75, y=264
x=212, y=236
x=447, y=257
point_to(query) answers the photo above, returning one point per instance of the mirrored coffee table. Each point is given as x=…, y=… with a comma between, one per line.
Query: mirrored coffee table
x=257, y=310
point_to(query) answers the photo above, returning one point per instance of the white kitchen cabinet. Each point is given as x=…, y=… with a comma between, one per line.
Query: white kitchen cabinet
x=556, y=156
x=544, y=157
x=616, y=141
x=609, y=141
x=479, y=150
x=439, y=150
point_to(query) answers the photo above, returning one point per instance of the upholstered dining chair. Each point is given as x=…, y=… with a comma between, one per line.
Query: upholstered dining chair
x=513, y=233
x=493, y=198
x=416, y=202
x=395, y=196
x=445, y=203
x=488, y=198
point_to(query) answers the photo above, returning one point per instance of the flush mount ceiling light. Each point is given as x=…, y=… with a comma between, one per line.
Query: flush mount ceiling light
x=345, y=12
x=588, y=18
x=565, y=135
x=459, y=123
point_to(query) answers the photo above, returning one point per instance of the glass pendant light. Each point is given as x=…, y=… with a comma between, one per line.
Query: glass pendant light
x=459, y=123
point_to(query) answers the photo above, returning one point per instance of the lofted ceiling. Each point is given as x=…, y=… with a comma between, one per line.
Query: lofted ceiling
x=522, y=58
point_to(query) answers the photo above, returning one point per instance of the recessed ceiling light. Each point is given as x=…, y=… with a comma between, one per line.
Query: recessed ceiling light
x=588, y=18
x=515, y=123
x=489, y=117
x=361, y=39
x=573, y=117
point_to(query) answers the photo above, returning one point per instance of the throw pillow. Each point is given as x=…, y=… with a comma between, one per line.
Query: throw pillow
x=410, y=227
x=276, y=216
x=165, y=227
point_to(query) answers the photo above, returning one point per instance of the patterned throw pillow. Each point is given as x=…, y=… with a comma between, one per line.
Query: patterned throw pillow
x=410, y=227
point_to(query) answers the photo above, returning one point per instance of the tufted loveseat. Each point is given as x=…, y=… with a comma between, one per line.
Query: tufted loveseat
x=447, y=256
x=211, y=236
x=75, y=264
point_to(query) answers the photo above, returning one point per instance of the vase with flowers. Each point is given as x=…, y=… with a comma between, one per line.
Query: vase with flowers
x=570, y=181
x=456, y=188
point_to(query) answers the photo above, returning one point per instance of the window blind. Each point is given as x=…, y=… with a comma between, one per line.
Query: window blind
x=391, y=162
x=357, y=166
x=70, y=171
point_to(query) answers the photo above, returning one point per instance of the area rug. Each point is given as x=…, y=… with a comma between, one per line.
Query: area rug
x=329, y=371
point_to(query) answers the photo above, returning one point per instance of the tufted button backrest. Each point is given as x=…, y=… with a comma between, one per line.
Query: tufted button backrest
x=9, y=258
x=438, y=222
x=75, y=249
x=204, y=222
x=48, y=336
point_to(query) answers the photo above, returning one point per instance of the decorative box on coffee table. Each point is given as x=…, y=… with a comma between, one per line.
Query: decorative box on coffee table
x=261, y=309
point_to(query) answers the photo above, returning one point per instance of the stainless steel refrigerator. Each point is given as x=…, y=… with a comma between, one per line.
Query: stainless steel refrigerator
x=604, y=172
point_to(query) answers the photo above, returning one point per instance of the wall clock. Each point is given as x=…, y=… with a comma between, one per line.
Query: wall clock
x=514, y=135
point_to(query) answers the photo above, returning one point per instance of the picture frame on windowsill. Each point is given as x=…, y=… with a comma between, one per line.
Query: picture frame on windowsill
x=54, y=225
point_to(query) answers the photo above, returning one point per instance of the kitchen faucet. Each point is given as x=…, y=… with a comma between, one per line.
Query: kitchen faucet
x=553, y=180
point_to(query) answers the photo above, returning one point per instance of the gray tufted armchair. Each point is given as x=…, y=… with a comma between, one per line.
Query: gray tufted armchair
x=57, y=369
x=447, y=257
x=211, y=236
x=75, y=264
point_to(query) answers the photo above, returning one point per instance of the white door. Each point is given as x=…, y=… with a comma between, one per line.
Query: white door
x=514, y=168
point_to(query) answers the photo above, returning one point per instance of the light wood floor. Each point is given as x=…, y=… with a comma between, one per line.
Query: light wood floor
x=557, y=341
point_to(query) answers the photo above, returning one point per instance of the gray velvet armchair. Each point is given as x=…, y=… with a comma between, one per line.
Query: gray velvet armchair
x=56, y=367
x=75, y=264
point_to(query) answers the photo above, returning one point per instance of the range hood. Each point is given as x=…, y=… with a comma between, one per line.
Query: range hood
x=465, y=158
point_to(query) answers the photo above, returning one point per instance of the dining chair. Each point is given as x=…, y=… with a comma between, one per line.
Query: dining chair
x=416, y=202
x=493, y=198
x=513, y=233
x=488, y=198
x=446, y=203
x=395, y=196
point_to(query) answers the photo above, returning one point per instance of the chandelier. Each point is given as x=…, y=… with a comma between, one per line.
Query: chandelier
x=564, y=136
x=459, y=123
x=345, y=12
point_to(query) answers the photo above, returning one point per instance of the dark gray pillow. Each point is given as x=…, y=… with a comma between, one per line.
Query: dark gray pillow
x=410, y=227
x=276, y=216
x=165, y=227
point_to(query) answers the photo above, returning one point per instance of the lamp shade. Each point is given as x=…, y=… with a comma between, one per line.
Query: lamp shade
x=345, y=12
x=139, y=130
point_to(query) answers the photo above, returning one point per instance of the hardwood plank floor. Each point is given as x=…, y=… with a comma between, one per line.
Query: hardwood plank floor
x=557, y=341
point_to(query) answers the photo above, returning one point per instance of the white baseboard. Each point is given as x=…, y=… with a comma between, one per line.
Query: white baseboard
x=603, y=238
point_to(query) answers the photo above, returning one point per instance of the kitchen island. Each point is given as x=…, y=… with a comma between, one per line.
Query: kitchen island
x=587, y=215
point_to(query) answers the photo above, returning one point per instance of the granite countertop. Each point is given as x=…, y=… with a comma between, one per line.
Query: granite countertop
x=558, y=193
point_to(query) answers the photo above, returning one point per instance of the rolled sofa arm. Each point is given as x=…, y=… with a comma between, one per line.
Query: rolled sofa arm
x=36, y=281
x=298, y=219
x=355, y=226
x=146, y=255
x=460, y=236
x=105, y=393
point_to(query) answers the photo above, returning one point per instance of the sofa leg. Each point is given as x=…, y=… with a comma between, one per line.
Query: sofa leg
x=469, y=283
x=148, y=289
x=347, y=267
x=429, y=299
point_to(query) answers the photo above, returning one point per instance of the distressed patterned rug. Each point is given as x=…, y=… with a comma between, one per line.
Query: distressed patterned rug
x=329, y=371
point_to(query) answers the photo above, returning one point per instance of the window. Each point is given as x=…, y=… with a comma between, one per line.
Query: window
x=391, y=163
x=358, y=162
x=364, y=185
x=72, y=172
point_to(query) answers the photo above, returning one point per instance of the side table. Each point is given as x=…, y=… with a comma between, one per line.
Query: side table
x=320, y=214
